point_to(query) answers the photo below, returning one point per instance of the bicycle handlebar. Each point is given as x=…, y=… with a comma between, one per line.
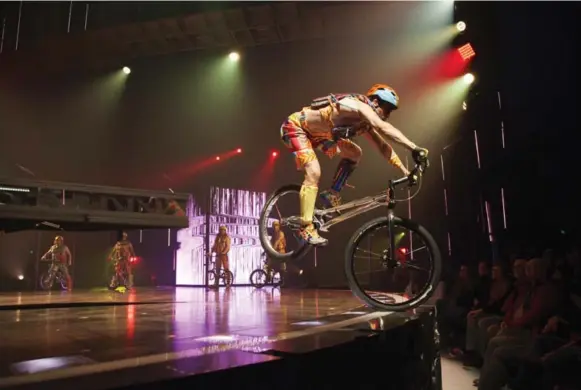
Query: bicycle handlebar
x=422, y=163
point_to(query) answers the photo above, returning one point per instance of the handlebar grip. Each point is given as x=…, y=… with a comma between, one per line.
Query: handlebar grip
x=420, y=156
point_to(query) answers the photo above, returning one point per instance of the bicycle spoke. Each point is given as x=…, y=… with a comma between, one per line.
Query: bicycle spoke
x=371, y=253
x=278, y=212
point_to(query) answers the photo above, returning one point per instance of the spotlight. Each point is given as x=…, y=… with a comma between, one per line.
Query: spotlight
x=464, y=106
x=461, y=26
x=469, y=78
x=20, y=277
x=126, y=70
x=234, y=56
x=403, y=251
x=274, y=154
x=239, y=150
x=217, y=158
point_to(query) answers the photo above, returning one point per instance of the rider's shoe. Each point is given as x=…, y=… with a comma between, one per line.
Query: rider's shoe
x=330, y=198
x=310, y=235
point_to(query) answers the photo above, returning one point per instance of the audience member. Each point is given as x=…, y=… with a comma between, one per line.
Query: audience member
x=481, y=321
x=453, y=308
x=482, y=286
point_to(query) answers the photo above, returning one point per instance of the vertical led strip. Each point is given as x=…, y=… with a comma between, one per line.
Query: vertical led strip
x=410, y=213
x=18, y=26
x=488, y=222
x=446, y=201
x=442, y=162
x=3, y=33
x=477, y=150
x=503, y=207
x=449, y=244
x=501, y=121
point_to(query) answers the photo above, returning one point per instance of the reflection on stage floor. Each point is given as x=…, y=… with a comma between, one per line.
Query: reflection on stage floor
x=158, y=324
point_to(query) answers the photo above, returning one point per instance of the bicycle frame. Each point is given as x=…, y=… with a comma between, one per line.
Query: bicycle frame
x=355, y=208
x=54, y=273
x=361, y=206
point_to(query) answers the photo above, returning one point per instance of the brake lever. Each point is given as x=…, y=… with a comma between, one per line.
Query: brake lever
x=413, y=177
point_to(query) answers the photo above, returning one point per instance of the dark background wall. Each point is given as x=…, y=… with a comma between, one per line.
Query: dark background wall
x=524, y=53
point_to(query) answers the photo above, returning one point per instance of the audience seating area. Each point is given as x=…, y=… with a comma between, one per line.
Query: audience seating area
x=519, y=322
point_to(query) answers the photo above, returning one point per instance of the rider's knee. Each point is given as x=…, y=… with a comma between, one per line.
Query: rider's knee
x=354, y=153
x=312, y=175
x=312, y=180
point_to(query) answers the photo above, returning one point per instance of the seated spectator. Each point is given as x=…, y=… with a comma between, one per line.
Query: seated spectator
x=480, y=320
x=552, y=360
x=482, y=286
x=453, y=308
x=524, y=315
x=557, y=348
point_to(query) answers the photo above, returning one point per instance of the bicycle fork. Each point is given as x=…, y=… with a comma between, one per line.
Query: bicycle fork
x=391, y=261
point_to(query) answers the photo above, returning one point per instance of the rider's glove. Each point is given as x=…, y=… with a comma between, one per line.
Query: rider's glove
x=420, y=155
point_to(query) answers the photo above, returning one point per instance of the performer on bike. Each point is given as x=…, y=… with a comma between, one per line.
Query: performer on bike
x=329, y=124
x=221, y=248
x=121, y=255
x=278, y=241
x=61, y=255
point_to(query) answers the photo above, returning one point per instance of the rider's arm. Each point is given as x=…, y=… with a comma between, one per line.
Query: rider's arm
x=131, y=251
x=383, y=127
x=47, y=253
x=227, y=245
x=69, y=256
x=386, y=150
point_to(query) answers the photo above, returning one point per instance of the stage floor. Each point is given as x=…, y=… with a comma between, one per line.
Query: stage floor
x=58, y=335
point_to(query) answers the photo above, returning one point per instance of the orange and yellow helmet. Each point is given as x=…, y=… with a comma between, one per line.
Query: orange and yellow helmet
x=384, y=93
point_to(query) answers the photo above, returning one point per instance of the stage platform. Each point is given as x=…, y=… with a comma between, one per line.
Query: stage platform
x=240, y=337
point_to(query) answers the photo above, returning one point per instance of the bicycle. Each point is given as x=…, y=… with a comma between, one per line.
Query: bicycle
x=385, y=257
x=266, y=275
x=226, y=276
x=121, y=274
x=54, y=273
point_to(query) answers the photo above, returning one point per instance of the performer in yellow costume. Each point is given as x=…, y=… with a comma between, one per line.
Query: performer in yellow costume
x=329, y=124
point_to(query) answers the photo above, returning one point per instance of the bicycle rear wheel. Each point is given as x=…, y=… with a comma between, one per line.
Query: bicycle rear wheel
x=283, y=205
x=393, y=284
x=63, y=282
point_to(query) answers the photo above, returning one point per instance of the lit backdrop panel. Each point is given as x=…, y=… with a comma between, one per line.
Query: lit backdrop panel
x=239, y=211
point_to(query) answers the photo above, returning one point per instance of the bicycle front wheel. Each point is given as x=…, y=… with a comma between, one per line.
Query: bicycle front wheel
x=277, y=279
x=258, y=278
x=393, y=284
x=228, y=278
x=46, y=281
x=211, y=277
